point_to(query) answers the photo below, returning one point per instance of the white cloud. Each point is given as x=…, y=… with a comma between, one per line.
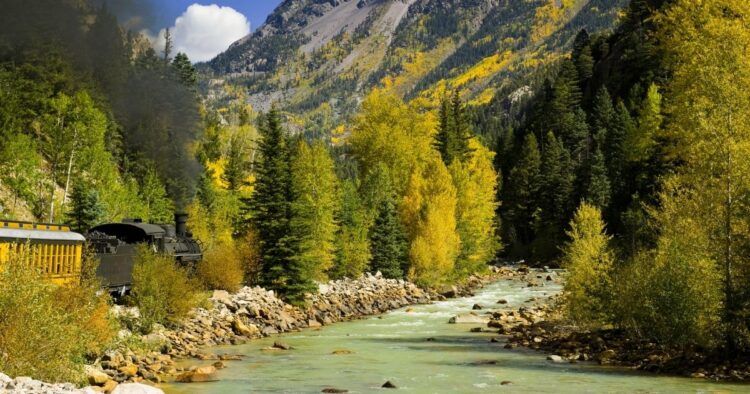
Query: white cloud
x=204, y=31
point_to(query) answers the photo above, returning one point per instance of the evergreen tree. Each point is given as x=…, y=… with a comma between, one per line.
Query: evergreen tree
x=602, y=113
x=236, y=167
x=556, y=196
x=185, y=71
x=582, y=56
x=85, y=210
x=454, y=133
x=388, y=245
x=598, y=193
x=522, y=193
x=614, y=152
x=271, y=210
x=352, y=240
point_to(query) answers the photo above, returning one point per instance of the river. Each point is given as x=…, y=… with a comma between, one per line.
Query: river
x=395, y=347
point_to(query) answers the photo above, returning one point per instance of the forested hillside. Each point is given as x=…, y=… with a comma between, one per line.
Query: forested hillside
x=91, y=118
x=320, y=58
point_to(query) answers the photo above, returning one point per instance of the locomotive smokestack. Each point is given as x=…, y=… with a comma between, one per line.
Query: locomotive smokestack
x=180, y=224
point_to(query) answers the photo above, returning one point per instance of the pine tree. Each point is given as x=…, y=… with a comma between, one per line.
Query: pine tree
x=388, y=245
x=603, y=112
x=185, y=71
x=86, y=210
x=271, y=210
x=454, y=132
x=352, y=240
x=614, y=152
x=236, y=167
x=598, y=193
x=522, y=193
x=556, y=191
x=582, y=56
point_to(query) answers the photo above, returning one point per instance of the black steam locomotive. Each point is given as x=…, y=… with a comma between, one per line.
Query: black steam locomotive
x=115, y=245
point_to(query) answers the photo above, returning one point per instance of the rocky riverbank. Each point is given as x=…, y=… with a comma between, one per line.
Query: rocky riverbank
x=542, y=327
x=254, y=312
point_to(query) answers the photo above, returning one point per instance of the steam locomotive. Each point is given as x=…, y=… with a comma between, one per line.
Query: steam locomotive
x=56, y=252
x=115, y=245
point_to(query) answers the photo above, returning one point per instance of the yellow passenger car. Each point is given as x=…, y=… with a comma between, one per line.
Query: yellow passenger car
x=54, y=250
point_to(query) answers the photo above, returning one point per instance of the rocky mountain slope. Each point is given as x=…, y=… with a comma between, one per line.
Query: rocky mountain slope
x=319, y=57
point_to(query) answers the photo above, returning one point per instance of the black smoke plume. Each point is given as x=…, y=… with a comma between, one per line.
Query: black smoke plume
x=158, y=116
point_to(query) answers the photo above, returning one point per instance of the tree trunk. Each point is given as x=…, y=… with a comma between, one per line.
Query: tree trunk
x=70, y=166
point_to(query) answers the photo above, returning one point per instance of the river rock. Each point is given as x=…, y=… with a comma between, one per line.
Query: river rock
x=333, y=390
x=281, y=345
x=388, y=385
x=469, y=318
x=342, y=351
x=476, y=307
x=109, y=386
x=197, y=375
x=248, y=330
x=95, y=376
x=502, y=301
x=555, y=358
x=129, y=370
x=136, y=388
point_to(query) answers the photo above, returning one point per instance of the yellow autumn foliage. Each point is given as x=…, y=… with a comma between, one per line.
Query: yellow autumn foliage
x=429, y=214
x=476, y=184
x=388, y=131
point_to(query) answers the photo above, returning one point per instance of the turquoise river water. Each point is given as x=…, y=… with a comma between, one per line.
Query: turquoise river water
x=395, y=347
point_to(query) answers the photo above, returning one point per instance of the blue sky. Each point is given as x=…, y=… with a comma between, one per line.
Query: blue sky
x=255, y=10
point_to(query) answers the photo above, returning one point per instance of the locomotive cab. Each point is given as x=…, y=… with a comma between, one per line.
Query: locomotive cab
x=115, y=244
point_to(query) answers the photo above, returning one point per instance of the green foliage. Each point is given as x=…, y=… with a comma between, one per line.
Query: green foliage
x=272, y=212
x=352, y=240
x=20, y=167
x=185, y=70
x=589, y=261
x=85, y=211
x=157, y=206
x=599, y=188
x=641, y=141
x=388, y=244
x=46, y=331
x=453, y=136
x=316, y=196
x=556, y=191
x=522, y=193
x=163, y=291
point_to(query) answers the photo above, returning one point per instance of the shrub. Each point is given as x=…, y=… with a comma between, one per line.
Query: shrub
x=673, y=294
x=588, y=259
x=46, y=331
x=163, y=292
x=222, y=267
x=248, y=248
